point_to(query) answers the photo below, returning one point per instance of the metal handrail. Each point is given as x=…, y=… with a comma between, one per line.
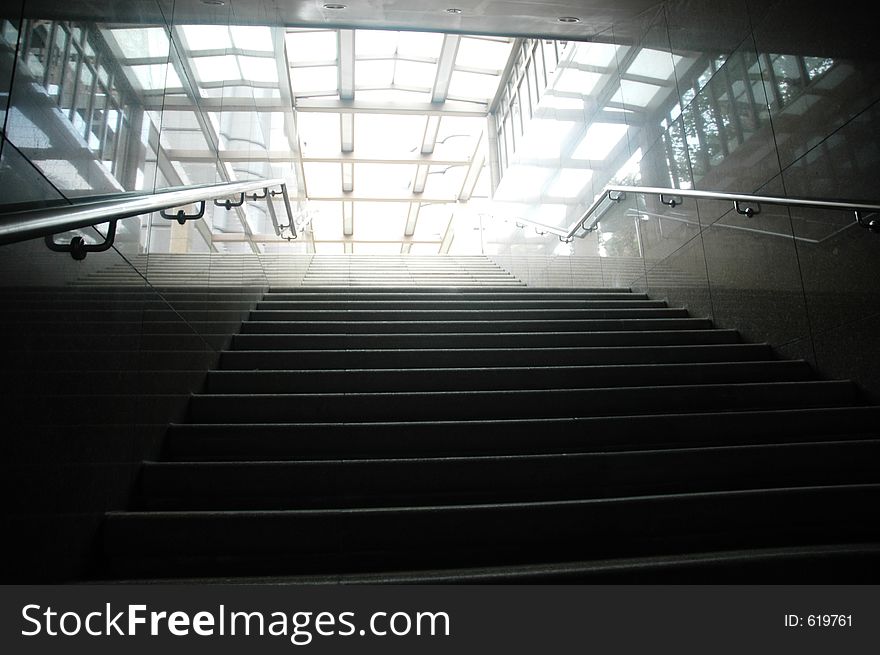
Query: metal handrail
x=48, y=221
x=744, y=203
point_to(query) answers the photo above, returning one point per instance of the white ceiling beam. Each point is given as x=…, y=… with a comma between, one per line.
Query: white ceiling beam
x=429, y=139
x=603, y=116
x=445, y=67
x=361, y=158
x=203, y=156
x=335, y=105
x=291, y=130
x=448, y=237
x=287, y=156
x=473, y=172
x=251, y=84
x=348, y=197
x=651, y=81
x=347, y=177
x=347, y=218
x=238, y=237
x=515, y=48
x=345, y=41
x=247, y=105
x=412, y=218
x=313, y=64
x=421, y=179
x=346, y=132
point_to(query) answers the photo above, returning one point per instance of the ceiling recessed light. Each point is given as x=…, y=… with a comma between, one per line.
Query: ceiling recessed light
x=568, y=19
x=453, y=10
x=334, y=6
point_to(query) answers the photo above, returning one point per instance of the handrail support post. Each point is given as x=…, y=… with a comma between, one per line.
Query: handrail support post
x=291, y=223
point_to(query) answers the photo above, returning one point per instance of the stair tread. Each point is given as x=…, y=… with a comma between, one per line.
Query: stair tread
x=481, y=478
x=756, y=492
x=780, y=384
x=698, y=567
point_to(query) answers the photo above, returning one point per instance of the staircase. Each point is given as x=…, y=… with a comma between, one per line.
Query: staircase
x=290, y=269
x=503, y=433
x=411, y=270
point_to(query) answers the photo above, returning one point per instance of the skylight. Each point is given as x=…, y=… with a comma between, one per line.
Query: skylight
x=375, y=43
x=483, y=53
x=382, y=134
x=256, y=38
x=216, y=69
x=389, y=134
x=573, y=80
x=545, y=139
x=599, y=140
x=258, y=69
x=141, y=42
x=207, y=37
x=155, y=76
x=570, y=182
x=314, y=79
x=310, y=46
x=477, y=87
x=419, y=44
x=636, y=94
x=319, y=134
x=654, y=63
x=601, y=55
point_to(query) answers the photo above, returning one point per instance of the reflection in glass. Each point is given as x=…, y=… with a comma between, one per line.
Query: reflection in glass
x=654, y=63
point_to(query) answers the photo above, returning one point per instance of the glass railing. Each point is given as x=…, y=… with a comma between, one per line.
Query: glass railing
x=748, y=205
x=49, y=221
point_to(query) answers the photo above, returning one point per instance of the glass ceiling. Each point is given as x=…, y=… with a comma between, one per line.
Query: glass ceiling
x=380, y=133
x=383, y=134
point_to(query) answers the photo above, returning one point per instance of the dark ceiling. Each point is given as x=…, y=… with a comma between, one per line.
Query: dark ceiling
x=502, y=17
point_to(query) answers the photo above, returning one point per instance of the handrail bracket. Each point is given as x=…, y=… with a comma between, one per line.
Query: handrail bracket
x=671, y=200
x=78, y=248
x=229, y=204
x=182, y=217
x=872, y=224
x=749, y=210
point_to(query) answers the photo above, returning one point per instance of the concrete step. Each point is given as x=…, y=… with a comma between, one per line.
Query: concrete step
x=449, y=315
x=462, y=357
x=406, y=289
x=388, y=539
x=183, y=486
x=824, y=564
x=380, y=305
x=450, y=438
x=460, y=295
x=536, y=377
x=464, y=405
x=432, y=340
x=484, y=325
